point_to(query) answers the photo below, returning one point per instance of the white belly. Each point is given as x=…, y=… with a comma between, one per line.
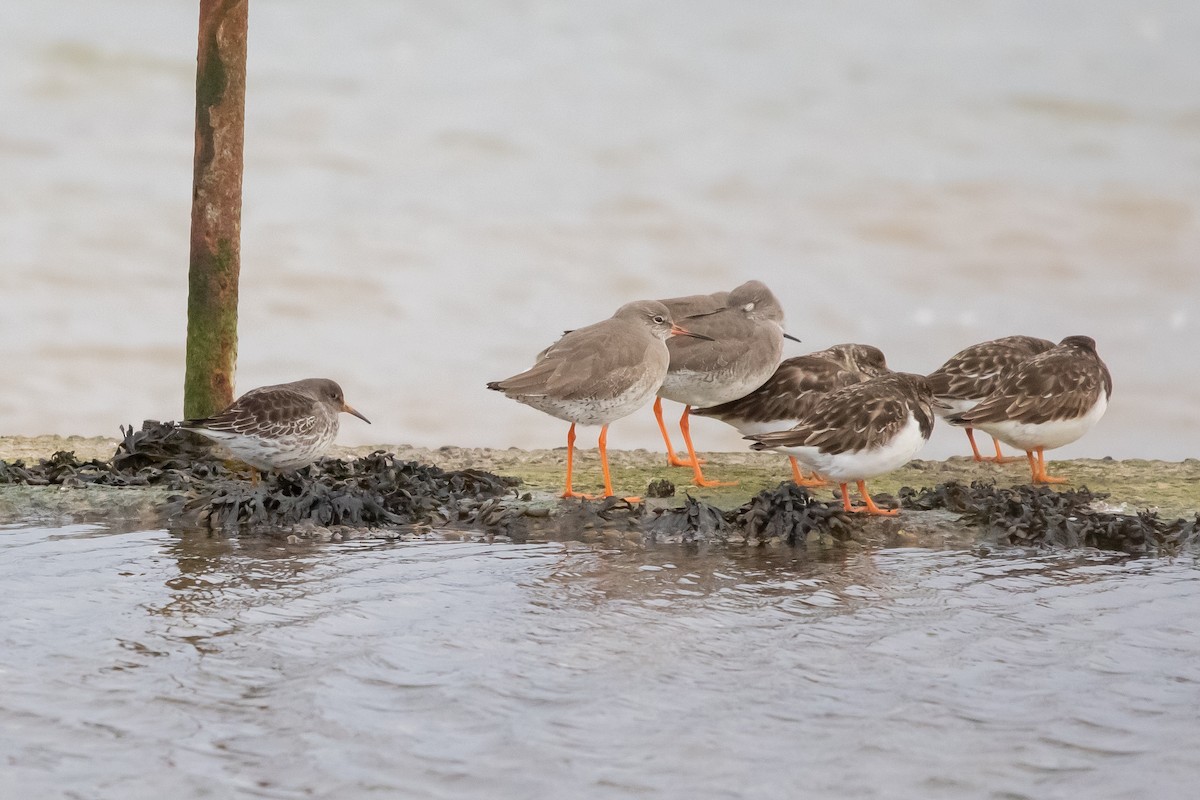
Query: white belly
x=705, y=389
x=956, y=407
x=1049, y=435
x=285, y=453
x=596, y=411
x=859, y=465
x=748, y=428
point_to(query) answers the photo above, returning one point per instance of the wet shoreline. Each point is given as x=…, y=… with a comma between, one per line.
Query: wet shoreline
x=532, y=510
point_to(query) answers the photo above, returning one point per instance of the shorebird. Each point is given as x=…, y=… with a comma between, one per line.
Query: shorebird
x=1049, y=400
x=860, y=431
x=600, y=373
x=797, y=385
x=974, y=373
x=744, y=340
x=280, y=427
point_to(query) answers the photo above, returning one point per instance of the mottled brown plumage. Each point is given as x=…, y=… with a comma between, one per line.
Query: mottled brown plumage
x=798, y=383
x=860, y=431
x=862, y=416
x=1049, y=400
x=973, y=372
x=1062, y=383
x=284, y=426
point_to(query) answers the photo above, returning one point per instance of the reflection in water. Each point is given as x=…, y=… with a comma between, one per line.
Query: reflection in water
x=148, y=663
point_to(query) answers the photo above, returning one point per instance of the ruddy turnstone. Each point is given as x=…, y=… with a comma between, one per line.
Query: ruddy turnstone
x=600, y=373
x=973, y=373
x=744, y=330
x=280, y=427
x=1049, y=400
x=860, y=431
x=798, y=383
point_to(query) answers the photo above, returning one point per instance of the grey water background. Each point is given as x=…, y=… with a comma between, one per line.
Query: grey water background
x=434, y=191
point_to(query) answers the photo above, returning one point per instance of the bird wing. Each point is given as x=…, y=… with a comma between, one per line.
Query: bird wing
x=591, y=362
x=1057, y=384
x=258, y=412
x=977, y=370
x=790, y=393
x=851, y=418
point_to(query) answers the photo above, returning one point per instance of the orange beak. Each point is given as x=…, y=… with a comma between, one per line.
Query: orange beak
x=678, y=331
x=346, y=407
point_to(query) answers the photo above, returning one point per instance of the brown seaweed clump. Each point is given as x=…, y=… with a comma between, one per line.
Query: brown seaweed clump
x=1041, y=516
x=375, y=490
x=381, y=491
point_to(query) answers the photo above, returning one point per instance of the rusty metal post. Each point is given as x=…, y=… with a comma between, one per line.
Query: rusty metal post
x=216, y=208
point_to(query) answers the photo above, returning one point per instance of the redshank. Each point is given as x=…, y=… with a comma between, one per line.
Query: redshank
x=280, y=427
x=600, y=373
x=1049, y=400
x=860, y=431
x=973, y=373
x=798, y=383
x=744, y=330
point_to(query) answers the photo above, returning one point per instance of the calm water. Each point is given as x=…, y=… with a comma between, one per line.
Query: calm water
x=156, y=664
x=435, y=190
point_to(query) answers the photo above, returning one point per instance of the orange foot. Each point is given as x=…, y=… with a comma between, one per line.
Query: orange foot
x=999, y=458
x=675, y=461
x=705, y=483
x=799, y=479
x=1037, y=467
x=868, y=506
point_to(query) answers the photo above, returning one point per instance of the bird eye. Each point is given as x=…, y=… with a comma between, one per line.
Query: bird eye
x=659, y=319
x=748, y=307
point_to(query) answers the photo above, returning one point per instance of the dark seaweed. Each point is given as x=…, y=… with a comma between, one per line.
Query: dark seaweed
x=380, y=491
x=374, y=490
x=1039, y=515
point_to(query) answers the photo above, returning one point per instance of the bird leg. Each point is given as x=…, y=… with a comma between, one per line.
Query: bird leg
x=1000, y=457
x=974, y=448
x=604, y=467
x=697, y=475
x=868, y=506
x=1040, y=476
x=570, y=463
x=800, y=480
x=672, y=459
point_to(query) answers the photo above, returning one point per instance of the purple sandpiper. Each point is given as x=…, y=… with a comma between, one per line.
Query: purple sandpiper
x=280, y=427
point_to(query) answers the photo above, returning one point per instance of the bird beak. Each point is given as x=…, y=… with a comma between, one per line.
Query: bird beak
x=678, y=331
x=346, y=407
x=789, y=336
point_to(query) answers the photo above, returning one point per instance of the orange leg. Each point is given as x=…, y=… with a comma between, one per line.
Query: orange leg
x=608, y=492
x=672, y=460
x=997, y=459
x=798, y=475
x=846, y=498
x=570, y=462
x=1040, y=476
x=1000, y=457
x=869, y=506
x=974, y=448
x=697, y=475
